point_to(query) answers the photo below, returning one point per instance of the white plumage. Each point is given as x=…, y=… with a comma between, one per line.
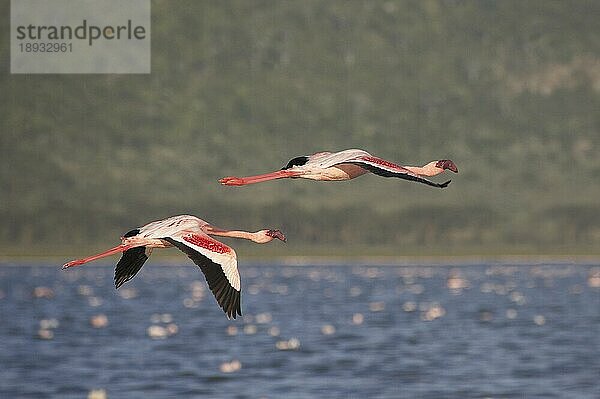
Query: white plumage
x=189, y=234
x=346, y=165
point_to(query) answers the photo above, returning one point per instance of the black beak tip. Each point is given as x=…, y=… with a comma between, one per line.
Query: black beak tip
x=452, y=166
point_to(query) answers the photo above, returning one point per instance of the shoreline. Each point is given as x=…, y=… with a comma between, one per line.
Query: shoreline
x=333, y=260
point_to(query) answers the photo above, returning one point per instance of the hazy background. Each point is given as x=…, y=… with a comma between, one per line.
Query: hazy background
x=509, y=90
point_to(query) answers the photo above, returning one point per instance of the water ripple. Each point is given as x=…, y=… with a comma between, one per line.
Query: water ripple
x=337, y=331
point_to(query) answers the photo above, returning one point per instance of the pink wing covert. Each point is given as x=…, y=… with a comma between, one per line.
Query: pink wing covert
x=218, y=262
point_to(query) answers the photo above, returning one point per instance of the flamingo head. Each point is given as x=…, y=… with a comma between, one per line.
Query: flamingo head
x=275, y=234
x=446, y=164
x=264, y=236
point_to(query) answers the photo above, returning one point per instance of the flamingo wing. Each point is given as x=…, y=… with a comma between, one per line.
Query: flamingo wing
x=218, y=262
x=131, y=261
x=385, y=168
x=130, y=264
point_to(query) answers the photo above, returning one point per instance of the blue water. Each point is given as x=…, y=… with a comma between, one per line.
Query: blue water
x=354, y=331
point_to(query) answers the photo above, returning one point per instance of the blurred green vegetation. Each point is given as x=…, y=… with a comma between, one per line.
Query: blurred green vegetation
x=510, y=90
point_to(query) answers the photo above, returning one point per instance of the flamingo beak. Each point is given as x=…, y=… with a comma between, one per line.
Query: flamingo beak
x=277, y=234
x=447, y=164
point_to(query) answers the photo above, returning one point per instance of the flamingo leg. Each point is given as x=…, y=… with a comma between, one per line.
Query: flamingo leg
x=118, y=249
x=242, y=181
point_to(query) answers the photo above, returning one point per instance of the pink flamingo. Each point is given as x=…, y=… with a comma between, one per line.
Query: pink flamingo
x=189, y=234
x=346, y=165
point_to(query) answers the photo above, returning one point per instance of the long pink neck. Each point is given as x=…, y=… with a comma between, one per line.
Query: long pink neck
x=426, y=170
x=234, y=234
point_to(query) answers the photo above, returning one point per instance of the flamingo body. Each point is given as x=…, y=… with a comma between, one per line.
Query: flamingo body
x=189, y=234
x=346, y=165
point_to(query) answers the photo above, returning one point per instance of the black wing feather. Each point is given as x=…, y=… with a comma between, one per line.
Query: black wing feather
x=130, y=263
x=405, y=176
x=298, y=161
x=132, y=233
x=226, y=298
x=225, y=294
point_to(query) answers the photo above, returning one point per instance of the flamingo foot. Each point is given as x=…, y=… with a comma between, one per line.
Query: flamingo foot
x=242, y=181
x=73, y=263
x=232, y=181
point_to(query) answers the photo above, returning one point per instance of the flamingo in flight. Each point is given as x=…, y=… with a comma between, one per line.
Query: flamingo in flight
x=189, y=234
x=346, y=165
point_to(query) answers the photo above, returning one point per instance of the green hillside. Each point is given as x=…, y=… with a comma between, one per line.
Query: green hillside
x=509, y=90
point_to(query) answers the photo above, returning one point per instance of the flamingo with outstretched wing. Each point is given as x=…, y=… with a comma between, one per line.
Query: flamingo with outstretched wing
x=346, y=165
x=191, y=235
